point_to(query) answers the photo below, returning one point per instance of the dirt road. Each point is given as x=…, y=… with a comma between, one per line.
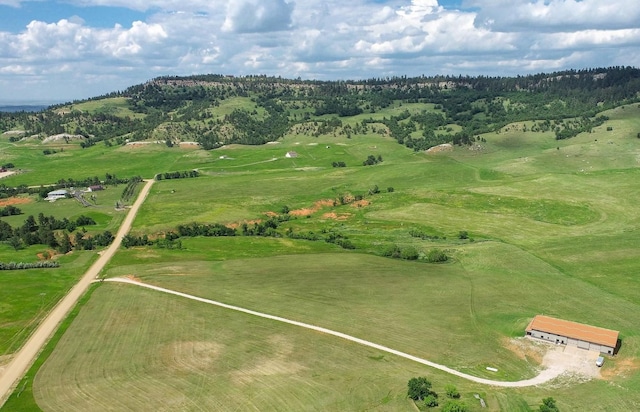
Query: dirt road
x=23, y=359
x=554, y=369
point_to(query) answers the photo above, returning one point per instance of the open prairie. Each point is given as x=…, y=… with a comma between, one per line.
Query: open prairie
x=550, y=227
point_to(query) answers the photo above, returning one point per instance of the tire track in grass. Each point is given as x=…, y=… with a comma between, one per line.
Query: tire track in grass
x=545, y=376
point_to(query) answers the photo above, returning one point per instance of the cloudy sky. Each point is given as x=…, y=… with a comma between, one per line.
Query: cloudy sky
x=59, y=50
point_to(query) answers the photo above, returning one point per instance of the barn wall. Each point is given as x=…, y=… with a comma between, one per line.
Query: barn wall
x=553, y=338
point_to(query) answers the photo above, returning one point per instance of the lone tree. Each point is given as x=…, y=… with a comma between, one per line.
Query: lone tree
x=419, y=388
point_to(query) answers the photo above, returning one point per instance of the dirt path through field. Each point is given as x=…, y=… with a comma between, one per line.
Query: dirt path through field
x=546, y=375
x=22, y=360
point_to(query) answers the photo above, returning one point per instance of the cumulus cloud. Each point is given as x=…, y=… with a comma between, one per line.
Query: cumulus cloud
x=322, y=39
x=252, y=16
x=526, y=15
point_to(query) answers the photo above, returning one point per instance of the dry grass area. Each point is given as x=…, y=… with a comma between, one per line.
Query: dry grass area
x=621, y=368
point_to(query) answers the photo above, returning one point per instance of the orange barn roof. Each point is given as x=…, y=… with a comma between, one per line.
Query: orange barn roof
x=574, y=330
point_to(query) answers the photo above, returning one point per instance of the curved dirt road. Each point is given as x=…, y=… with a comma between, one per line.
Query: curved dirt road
x=545, y=376
x=23, y=359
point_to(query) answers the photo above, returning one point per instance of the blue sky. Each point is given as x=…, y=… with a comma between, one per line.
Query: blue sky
x=52, y=51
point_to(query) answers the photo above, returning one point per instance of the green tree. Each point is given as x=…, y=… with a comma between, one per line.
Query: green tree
x=548, y=405
x=15, y=242
x=419, y=388
x=64, y=244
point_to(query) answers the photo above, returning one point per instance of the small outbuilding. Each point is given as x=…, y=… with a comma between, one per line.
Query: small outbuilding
x=291, y=154
x=564, y=332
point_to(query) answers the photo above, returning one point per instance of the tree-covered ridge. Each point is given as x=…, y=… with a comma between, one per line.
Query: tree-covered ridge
x=189, y=108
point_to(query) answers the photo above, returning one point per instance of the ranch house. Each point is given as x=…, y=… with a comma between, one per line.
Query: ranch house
x=564, y=332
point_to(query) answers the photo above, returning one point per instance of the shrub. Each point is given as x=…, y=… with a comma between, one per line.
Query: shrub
x=436, y=256
x=431, y=401
x=451, y=391
x=454, y=406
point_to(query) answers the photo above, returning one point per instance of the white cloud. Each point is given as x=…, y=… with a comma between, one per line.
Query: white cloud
x=252, y=16
x=322, y=39
x=525, y=15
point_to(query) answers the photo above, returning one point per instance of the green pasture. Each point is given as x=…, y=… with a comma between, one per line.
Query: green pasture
x=26, y=296
x=193, y=357
x=554, y=229
x=116, y=106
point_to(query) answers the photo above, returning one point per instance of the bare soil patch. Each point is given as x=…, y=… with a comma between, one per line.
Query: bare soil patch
x=446, y=147
x=236, y=225
x=360, y=203
x=6, y=174
x=621, y=368
x=47, y=255
x=15, y=201
x=320, y=204
x=302, y=212
x=133, y=278
x=335, y=216
x=526, y=348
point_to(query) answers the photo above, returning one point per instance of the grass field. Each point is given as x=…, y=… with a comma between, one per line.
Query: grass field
x=554, y=229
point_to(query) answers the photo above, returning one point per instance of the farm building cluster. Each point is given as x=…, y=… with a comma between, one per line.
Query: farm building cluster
x=64, y=193
x=564, y=332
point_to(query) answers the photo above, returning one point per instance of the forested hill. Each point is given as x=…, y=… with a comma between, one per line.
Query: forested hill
x=217, y=109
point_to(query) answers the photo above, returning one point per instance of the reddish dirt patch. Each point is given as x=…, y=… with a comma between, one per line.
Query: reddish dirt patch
x=248, y=222
x=48, y=255
x=271, y=214
x=311, y=210
x=134, y=278
x=302, y=212
x=335, y=216
x=14, y=201
x=323, y=203
x=360, y=203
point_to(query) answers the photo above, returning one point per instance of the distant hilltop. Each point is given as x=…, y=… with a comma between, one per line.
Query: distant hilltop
x=23, y=108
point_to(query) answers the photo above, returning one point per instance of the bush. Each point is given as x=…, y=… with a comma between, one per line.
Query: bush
x=431, y=401
x=451, y=391
x=29, y=265
x=436, y=256
x=454, y=406
x=409, y=253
